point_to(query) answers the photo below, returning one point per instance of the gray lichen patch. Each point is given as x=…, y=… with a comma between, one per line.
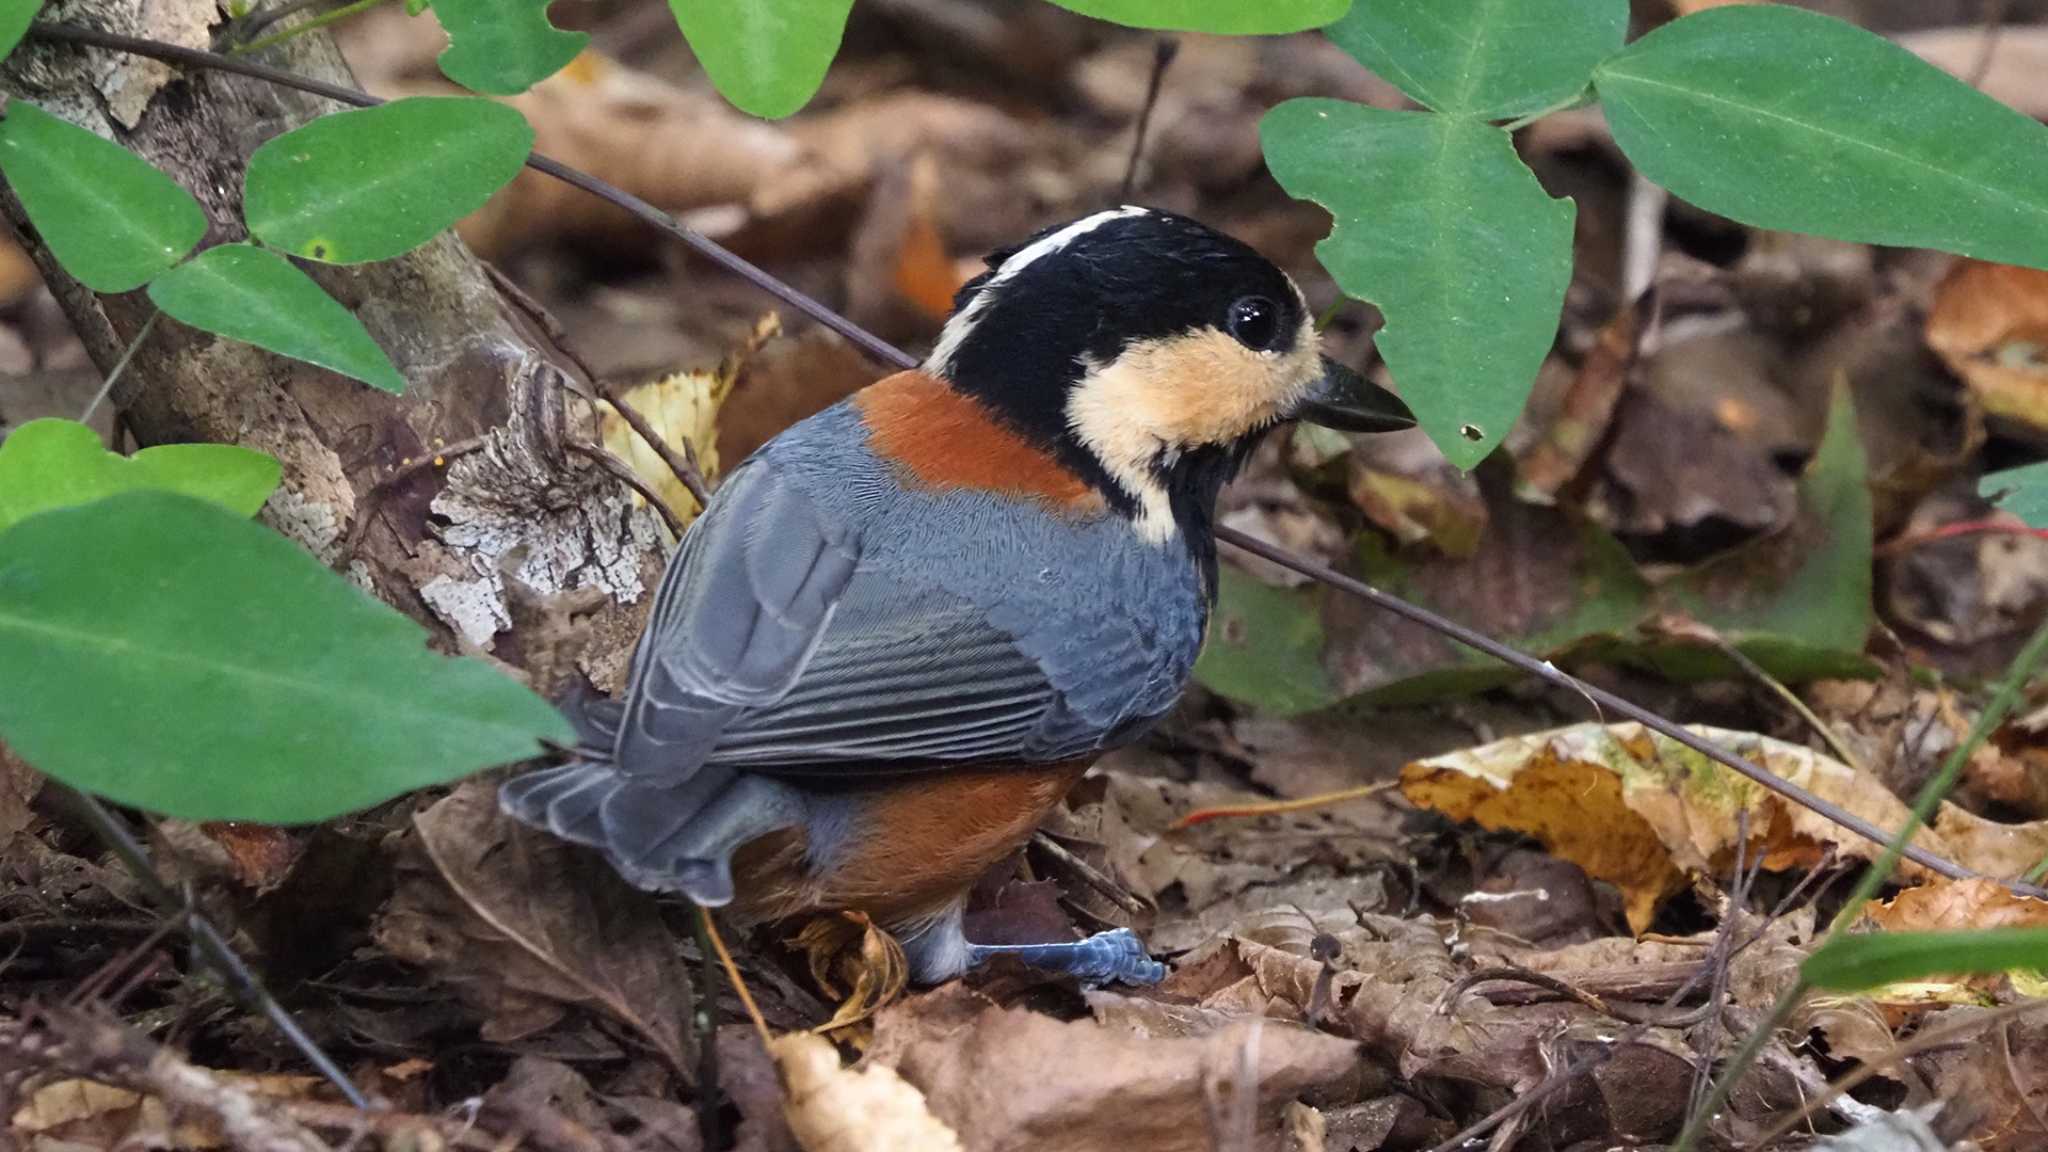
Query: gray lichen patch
x=578, y=530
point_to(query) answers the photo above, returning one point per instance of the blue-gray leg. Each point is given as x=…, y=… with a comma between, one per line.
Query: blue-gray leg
x=939, y=951
x=1106, y=956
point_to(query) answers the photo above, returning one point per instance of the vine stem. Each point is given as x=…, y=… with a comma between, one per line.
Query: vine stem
x=321, y=21
x=1931, y=795
x=120, y=366
x=885, y=353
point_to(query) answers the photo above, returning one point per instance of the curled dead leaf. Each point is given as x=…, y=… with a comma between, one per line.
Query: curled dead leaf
x=836, y=1109
x=851, y=951
x=1644, y=813
x=1989, y=323
x=683, y=408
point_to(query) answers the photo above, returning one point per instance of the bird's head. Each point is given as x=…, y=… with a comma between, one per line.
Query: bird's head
x=1148, y=352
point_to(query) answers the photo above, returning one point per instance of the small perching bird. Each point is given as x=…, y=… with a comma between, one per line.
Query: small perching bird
x=907, y=625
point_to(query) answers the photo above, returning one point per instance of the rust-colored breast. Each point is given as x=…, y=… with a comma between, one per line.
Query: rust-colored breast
x=942, y=439
x=917, y=845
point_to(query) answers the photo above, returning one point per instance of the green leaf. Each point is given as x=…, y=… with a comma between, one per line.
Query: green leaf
x=1782, y=118
x=1488, y=59
x=2022, y=491
x=1867, y=960
x=502, y=47
x=1265, y=647
x=246, y=293
x=164, y=653
x=766, y=56
x=15, y=17
x=1440, y=224
x=1218, y=17
x=109, y=218
x=46, y=464
x=1799, y=601
x=373, y=183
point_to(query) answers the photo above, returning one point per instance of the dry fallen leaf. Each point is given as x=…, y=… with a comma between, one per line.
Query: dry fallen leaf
x=1010, y=1080
x=1989, y=323
x=1945, y=905
x=837, y=1109
x=853, y=952
x=1644, y=813
x=524, y=924
x=683, y=408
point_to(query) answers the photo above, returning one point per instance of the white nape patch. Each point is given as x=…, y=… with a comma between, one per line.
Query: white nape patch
x=940, y=362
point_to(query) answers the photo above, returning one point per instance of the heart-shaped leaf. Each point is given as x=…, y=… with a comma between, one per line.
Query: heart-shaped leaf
x=1782, y=118
x=373, y=183
x=1217, y=17
x=109, y=218
x=1439, y=223
x=766, y=56
x=502, y=47
x=1490, y=59
x=166, y=653
x=46, y=464
x=15, y=17
x=2022, y=491
x=246, y=293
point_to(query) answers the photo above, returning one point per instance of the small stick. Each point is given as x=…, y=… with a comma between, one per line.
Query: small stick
x=207, y=940
x=684, y=466
x=1163, y=51
x=623, y=472
x=1091, y=875
x=366, y=508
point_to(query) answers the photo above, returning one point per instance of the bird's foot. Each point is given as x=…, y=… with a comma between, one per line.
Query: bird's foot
x=1114, y=955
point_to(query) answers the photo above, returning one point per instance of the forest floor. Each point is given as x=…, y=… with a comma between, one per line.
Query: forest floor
x=1480, y=906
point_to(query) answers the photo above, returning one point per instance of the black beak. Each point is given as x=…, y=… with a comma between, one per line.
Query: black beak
x=1348, y=402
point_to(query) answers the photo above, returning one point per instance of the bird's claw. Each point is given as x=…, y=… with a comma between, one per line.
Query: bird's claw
x=1117, y=954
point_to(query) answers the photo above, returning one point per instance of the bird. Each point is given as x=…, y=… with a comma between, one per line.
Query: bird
x=903, y=628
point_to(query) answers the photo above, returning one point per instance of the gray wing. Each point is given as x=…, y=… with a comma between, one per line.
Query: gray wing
x=743, y=605
x=773, y=647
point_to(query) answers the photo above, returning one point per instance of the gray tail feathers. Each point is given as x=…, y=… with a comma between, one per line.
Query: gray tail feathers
x=662, y=839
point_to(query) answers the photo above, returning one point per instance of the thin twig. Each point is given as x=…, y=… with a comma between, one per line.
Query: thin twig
x=255, y=22
x=732, y=973
x=888, y=354
x=1278, y=807
x=1987, y=46
x=1600, y=697
x=1791, y=699
x=1921, y=1042
x=683, y=465
x=1163, y=51
x=1874, y=877
x=710, y=951
x=207, y=940
x=367, y=505
x=120, y=366
x=623, y=472
x=1092, y=876
x=321, y=21
x=705, y=246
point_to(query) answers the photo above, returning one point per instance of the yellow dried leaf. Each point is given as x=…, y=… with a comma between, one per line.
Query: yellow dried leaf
x=1946, y=905
x=836, y=1109
x=850, y=950
x=683, y=408
x=1643, y=812
x=1989, y=323
x=64, y=1101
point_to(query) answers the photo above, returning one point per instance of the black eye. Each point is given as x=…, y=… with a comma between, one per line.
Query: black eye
x=1255, y=321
